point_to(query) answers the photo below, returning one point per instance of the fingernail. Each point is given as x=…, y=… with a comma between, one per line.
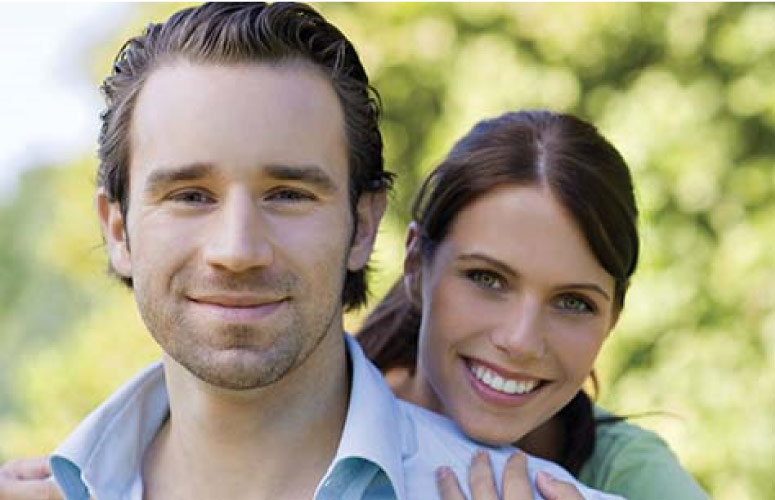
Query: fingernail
x=443, y=472
x=480, y=455
x=546, y=476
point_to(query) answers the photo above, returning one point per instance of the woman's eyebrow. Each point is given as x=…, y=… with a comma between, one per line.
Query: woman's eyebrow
x=499, y=265
x=506, y=269
x=585, y=286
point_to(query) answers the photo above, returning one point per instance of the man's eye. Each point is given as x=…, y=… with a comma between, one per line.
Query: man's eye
x=290, y=195
x=485, y=279
x=192, y=197
x=574, y=304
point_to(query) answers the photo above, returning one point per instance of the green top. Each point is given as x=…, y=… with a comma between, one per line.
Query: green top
x=636, y=464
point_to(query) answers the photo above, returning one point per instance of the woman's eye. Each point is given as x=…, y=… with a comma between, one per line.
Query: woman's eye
x=574, y=304
x=485, y=279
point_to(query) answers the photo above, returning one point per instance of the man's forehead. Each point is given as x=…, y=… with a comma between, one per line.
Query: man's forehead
x=291, y=89
x=248, y=114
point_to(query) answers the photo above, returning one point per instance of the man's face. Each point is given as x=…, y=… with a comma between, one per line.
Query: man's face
x=239, y=229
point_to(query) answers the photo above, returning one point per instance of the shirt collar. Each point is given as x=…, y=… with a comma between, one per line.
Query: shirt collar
x=373, y=428
x=104, y=454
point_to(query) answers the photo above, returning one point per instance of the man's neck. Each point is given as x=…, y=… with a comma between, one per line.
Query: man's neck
x=272, y=442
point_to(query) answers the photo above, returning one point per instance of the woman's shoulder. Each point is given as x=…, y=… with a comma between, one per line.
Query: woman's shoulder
x=636, y=463
x=615, y=435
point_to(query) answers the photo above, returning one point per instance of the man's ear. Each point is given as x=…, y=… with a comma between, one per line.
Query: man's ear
x=413, y=264
x=114, y=232
x=369, y=212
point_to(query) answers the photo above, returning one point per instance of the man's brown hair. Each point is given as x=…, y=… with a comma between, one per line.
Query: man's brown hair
x=238, y=33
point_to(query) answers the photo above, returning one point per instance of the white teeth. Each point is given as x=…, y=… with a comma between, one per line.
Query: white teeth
x=498, y=383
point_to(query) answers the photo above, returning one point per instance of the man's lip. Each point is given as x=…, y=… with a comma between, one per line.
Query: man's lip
x=234, y=300
x=503, y=372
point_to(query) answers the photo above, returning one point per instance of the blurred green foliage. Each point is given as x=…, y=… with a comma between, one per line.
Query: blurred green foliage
x=684, y=90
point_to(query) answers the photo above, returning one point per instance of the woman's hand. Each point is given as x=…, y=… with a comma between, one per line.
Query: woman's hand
x=28, y=479
x=516, y=484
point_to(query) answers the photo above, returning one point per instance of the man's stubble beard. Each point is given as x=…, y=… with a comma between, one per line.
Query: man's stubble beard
x=254, y=359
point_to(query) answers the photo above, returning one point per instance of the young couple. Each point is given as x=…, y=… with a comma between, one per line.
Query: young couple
x=241, y=183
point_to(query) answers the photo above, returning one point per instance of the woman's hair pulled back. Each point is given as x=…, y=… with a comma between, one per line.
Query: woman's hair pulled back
x=559, y=152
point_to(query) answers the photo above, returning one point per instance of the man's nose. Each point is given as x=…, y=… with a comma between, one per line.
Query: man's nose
x=521, y=334
x=239, y=240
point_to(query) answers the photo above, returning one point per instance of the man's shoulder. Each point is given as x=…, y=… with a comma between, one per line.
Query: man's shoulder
x=434, y=440
x=134, y=396
x=114, y=433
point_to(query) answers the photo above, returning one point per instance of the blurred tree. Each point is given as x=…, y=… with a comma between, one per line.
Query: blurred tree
x=684, y=91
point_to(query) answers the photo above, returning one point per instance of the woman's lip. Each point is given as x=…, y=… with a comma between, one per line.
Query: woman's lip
x=496, y=397
x=507, y=374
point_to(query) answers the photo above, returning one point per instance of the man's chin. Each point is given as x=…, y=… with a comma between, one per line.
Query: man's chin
x=239, y=369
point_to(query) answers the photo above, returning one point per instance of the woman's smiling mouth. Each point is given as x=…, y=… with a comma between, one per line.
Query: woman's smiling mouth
x=500, y=382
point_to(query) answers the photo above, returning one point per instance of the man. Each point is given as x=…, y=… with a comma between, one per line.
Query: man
x=241, y=184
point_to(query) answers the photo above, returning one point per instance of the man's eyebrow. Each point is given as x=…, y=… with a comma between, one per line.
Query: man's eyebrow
x=311, y=174
x=170, y=175
x=505, y=269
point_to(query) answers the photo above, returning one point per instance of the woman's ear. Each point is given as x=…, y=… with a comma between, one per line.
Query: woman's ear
x=413, y=265
x=617, y=306
x=614, y=320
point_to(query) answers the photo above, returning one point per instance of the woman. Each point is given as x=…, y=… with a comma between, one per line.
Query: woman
x=518, y=260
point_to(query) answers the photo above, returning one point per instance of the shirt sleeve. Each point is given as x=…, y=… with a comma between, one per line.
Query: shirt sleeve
x=640, y=466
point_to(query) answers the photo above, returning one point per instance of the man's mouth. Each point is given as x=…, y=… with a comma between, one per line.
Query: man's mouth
x=239, y=308
x=235, y=300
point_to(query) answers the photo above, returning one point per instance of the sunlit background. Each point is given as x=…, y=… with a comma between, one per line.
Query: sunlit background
x=686, y=91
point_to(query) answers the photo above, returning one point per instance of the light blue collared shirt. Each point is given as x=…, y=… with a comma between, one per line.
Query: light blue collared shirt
x=389, y=450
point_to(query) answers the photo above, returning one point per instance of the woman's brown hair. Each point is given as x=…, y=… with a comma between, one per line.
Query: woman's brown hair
x=584, y=172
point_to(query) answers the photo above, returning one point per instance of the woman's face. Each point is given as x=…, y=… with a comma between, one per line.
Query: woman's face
x=515, y=308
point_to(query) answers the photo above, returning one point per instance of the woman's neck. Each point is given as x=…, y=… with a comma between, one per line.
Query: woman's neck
x=410, y=388
x=545, y=441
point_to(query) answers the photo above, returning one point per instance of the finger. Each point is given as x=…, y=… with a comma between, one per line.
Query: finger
x=27, y=468
x=516, y=483
x=480, y=478
x=449, y=488
x=14, y=489
x=554, y=489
